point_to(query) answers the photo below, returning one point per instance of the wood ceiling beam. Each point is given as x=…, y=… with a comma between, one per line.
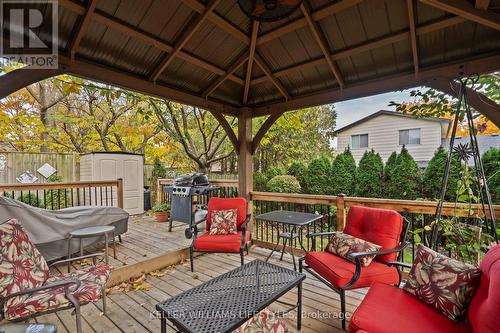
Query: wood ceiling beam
x=251, y=54
x=186, y=36
x=227, y=128
x=367, y=46
x=273, y=117
x=322, y=42
x=385, y=84
x=23, y=77
x=320, y=14
x=413, y=34
x=466, y=10
x=137, y=83
x=232, y=68
x=482, y=4
x=267, y=71
x=145, y=38
x=82, y=28
x=219, y=21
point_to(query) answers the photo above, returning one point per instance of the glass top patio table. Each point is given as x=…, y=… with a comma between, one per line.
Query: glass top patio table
x=229, y=300
x=289, y=217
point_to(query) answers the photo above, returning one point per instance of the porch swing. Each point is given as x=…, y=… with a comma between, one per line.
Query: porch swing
x=389, y=309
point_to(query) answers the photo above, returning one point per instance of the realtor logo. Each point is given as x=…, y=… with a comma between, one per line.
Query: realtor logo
x=29, y=32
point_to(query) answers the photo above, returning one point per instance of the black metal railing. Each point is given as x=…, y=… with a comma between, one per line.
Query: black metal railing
x=55, y=196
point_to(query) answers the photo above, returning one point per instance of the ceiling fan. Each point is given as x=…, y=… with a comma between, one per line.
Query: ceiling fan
x=268, y=10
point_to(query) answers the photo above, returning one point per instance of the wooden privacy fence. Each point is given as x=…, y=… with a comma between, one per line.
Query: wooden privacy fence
x=63, y=195
x=15, y=163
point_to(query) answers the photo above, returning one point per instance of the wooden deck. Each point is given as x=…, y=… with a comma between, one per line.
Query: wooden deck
x=134, y=310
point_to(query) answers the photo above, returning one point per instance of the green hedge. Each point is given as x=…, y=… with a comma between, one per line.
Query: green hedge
x=369, y=175
x=284, y=184
x=318, y=174
x=343, y=174
x=299, y=171
x=403, y=177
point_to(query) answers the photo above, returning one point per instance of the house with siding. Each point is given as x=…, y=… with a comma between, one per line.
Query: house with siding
x=387, y=131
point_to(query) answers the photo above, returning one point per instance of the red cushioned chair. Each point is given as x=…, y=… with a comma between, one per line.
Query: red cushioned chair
x=236, y=243
x=386, y=228
x=392, y=310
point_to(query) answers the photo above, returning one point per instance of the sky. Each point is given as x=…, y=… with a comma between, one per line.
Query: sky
x=353, y=110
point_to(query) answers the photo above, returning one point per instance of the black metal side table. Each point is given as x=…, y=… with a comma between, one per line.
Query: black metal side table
x=297, y=221
x=96, y=231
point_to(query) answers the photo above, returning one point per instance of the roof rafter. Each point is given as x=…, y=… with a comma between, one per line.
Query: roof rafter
x=413, y=34
x=186, y=36
x=466, y=10
x=320, y=14
x=219, y=21
x=260, y=62
x=251, y=54
x=82, y=28
x=322, y=42
x=369, y=45
x=240, y=60
x=145, y=38
x=484, y=64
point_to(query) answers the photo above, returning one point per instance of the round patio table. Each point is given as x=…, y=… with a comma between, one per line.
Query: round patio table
x=101, y=230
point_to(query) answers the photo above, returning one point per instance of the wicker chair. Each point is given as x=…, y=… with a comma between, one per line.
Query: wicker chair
x=27, y=289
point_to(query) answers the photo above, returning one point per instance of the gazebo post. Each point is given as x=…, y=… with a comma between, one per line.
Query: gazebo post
x=245, y=163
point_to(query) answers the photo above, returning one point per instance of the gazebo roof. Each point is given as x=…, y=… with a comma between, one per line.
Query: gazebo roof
x=211, y=55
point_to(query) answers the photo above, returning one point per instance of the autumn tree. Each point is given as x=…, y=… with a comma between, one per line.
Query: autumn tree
x=298, y=136
x=202, y=137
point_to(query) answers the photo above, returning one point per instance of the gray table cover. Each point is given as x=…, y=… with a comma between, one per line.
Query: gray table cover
x=49, y=229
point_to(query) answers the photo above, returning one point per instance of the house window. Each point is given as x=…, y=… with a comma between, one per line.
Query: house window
x=409, y=137
x=359, y=141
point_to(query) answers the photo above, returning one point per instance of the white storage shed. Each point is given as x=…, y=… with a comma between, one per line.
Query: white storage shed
x=111, y=166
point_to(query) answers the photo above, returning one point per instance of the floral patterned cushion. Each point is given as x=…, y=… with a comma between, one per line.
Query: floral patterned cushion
x=445, y=284
x=264, y=322
x=223, y=222
x=21, y=265
x=93, y=279
x=344, y=244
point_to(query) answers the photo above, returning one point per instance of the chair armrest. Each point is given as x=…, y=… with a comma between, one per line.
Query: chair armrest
x=244, y=231
x=93, y=256
x=399, y=264
x=55, y=285
x=380, y=252
x=317, y=234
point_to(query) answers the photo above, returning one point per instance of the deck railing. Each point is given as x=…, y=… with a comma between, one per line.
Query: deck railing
x=334, y=210
x=63, y=195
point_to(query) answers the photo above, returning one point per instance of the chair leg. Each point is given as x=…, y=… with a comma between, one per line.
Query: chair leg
x=191, y=259
x=247, y=248
x=104, y=300
x=342, y=307
x=120, y=238
x=78, y=318
x=242, y=258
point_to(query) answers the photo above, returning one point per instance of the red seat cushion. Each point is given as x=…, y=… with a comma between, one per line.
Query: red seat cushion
x=223, y=243
x=339, y=271
x=485, y=305
x=389, y=309
x=379, y=226
x=227, y=203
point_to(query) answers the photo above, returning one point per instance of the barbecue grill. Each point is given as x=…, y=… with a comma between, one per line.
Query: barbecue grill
x=185, y=192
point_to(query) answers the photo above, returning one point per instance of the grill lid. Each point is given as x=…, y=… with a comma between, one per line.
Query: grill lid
x=191, y=179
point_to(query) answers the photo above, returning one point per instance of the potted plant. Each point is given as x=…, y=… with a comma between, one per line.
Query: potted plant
x=161, y=212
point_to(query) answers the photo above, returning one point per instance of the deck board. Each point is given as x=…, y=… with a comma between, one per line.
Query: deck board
x=134, y=311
